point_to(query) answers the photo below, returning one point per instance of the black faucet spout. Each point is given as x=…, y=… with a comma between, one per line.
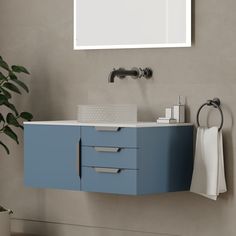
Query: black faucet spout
x=122, y=73
x=135, y=73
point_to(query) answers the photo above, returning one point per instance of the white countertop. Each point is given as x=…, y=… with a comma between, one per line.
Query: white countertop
x=76, y=123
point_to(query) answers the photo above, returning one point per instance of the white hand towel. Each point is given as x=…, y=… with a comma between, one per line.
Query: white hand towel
x=208, y=175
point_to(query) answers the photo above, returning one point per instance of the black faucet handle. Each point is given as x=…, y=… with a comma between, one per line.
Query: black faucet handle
x=145, y=73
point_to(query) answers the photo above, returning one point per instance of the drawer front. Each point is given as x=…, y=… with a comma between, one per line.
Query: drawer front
x=109, y=136
x=108, y=180
x=109, y=157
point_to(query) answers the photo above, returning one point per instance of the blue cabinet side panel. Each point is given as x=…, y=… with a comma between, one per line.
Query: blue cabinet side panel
x=165, y=159
x=51, y=156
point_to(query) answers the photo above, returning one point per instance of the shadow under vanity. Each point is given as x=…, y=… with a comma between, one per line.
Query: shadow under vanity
x=134, y=159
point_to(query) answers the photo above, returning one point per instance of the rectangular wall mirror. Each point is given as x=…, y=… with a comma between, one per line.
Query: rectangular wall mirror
x=110, y=24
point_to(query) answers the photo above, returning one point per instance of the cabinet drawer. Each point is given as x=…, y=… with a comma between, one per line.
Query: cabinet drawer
x=110, y=157
x=108, y=180
x=109, y=136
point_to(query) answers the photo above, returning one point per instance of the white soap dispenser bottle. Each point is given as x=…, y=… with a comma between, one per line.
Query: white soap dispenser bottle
x=179, y=111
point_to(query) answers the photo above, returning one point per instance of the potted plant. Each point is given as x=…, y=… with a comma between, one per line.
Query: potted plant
x=10, y=119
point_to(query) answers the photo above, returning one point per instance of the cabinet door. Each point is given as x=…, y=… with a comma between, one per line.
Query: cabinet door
x=52, y=158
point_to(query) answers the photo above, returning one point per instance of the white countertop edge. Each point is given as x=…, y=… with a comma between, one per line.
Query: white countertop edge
x=76, y=123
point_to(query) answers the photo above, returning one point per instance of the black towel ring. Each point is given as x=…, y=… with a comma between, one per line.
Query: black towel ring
x=216, y=104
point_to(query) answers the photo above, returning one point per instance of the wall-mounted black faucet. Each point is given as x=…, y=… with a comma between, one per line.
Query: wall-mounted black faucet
x=135, y=73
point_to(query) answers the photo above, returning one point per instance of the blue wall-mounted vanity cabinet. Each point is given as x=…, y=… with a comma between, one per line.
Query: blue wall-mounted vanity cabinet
x=135, y=160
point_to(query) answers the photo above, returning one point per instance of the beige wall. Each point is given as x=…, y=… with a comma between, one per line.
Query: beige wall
x=38, y=34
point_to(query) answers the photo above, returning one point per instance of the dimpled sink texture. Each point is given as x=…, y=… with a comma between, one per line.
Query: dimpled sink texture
x=107, y=113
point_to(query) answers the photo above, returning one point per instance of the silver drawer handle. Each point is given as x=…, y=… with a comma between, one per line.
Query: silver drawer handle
x=107, y=170
x=107, y=149
x=105, y=128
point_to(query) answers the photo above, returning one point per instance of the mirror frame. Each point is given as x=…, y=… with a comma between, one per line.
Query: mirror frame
x=188, y=42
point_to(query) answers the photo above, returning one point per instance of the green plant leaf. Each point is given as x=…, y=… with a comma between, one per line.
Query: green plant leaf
x=14, y=79
x=21, y=84
x=5, y=147
x=10, y=133
x=11, y=106
x=4, y=65
x=2, y=76
x=3, y=99
x=12, y=120
x=5, y=92
x=2, y=118
x=12, y=76
x=20, y=69
x=26, y=116
x=11, y=87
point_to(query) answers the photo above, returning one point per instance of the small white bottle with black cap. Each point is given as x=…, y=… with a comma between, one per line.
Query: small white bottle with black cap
x=179, y=110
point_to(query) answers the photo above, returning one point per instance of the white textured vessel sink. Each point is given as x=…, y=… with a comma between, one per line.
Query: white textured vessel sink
x=107, y=113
